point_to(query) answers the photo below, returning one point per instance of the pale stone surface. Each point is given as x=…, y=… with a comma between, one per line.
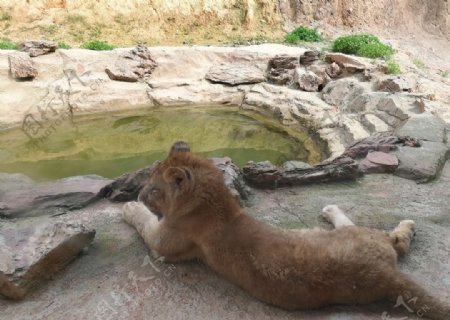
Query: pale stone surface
x=338, y=92
x=235, y=74
x=375, y=124
x=424, y=127
x=35, y=250
x=21, y=66
x=422, y=164
x=38, y=47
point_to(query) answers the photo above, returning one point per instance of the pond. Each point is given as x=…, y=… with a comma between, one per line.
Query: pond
x=113, y=143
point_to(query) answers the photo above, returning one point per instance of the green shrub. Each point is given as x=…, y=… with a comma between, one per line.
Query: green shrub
x=303, y=34
x=365, y=45
x=7, y=44
x=97, y=45
x=375, y=50
x=419, y=63
x=63, y=45
x=393, y=67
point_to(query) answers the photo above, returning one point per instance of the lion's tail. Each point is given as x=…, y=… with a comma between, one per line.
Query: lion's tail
x=414, y=298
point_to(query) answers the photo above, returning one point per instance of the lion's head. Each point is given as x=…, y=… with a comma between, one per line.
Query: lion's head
x=185, y=183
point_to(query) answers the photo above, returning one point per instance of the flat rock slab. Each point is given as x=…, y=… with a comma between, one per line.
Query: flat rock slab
x=235, y=74
x=21, y=197
x=424, y=127
x=21, y=66
x=349, y=63
x=421, y=164
x=38, y=47
x=378, y=162
x=31, y=252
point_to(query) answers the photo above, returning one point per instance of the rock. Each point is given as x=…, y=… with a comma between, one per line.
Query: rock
x=51, y=198
x=32, y=252
x=379, y=162
x=374, y=124
x=283, y=62
x=235, y=74
x=132, y=66
x=294, y=165
x=334, y=70
x=393, y=113
x=321, y=71
x=307, y=80
x=280, y=76
x=38, y=47
x=21, y=66
x=338, y=92
x=280, y=69
x=309, y=57
x=421, y=164
x=127, y=186
x=393, y=84
x=424, y=127
x=349, y=63
x=233, y=177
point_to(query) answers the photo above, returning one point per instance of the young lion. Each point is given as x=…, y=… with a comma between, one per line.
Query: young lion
x=294, y=269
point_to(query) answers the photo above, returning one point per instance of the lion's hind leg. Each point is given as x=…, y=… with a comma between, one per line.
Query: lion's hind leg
x=336, y=216
x=402, y=236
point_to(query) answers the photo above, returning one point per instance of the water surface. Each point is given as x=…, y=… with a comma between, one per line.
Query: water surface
x=111, y=144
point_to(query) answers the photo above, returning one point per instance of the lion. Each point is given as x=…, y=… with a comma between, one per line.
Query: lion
x=186, y=212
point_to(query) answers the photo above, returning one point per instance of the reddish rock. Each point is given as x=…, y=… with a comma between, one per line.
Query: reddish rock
x=378, y=162
x=21, y=66
x=349, y=63
x=38, y=47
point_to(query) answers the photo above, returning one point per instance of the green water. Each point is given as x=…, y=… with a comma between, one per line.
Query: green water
x=111, y=144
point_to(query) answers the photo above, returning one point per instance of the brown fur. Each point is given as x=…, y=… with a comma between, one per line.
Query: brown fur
x=294, y=269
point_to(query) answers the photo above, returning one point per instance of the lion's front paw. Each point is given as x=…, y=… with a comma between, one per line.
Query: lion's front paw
x=330, y=211
x=130, y=211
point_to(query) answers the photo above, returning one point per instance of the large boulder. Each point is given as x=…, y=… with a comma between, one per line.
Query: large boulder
x=21, y=66
x=421, y=164
x=132, y=66
x=424, y=127
x=32, y=251
x=235, y=74
x=38, y=47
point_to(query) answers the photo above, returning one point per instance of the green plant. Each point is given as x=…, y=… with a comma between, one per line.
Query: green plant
x=97, y=45
x=365, y=45
x=419, y=63
x=7, y=44
x=5, y=16
x=303, y=34
x=393, y=67
x=63, y=45
x=446, y=73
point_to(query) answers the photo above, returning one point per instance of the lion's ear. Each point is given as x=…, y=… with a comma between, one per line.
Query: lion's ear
x=178, y=178
x=179, y=146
